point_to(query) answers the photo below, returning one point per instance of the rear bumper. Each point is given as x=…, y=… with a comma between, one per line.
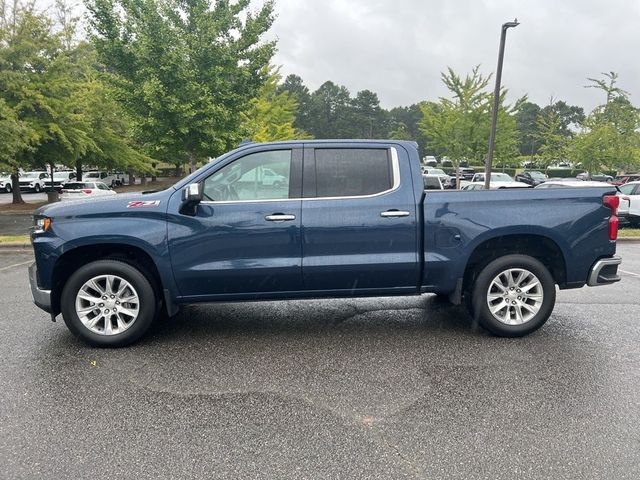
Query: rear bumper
x=604, y=272
x=42, y=298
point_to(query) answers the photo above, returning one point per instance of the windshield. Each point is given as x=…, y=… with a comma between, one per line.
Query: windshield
x=537, y=175
x=436, y=171
x=30, y=176
x=60, y=175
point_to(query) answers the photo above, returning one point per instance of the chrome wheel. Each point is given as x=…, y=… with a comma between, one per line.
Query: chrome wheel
x=515, y=296
x=107, y=304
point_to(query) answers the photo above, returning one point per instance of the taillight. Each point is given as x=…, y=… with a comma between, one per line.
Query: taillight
x=613, y=202
x=86, y=190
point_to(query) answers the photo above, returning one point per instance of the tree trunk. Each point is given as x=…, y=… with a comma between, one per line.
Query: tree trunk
x=78, y=170
x=132, y=179
x=143, y=179
x=455, y=163
x=192, y=162
x=153, y=176
x=51, y=175
x=15, y=188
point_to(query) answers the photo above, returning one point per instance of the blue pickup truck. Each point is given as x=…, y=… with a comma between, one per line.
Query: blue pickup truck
x=314, y=219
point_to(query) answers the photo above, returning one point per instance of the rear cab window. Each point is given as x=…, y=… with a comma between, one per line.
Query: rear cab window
x=353, y=172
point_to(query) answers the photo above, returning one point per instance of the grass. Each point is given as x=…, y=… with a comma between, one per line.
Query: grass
x=629, y=232
x=21, y=207
x=14, y=239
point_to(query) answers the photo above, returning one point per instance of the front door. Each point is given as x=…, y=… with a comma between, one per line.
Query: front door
x=244, y=239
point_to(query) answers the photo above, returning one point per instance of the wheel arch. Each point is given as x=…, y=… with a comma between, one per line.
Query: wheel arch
x=72, y=259
x=538, y=246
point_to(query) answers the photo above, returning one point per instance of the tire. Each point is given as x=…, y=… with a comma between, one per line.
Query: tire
x=123, y=329
x=37, y=188
x=493, y=287
x=8, y=188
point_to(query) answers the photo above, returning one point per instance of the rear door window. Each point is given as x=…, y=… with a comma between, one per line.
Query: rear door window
x=352, y=172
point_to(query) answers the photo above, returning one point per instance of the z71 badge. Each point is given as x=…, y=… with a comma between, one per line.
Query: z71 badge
x=143, y=204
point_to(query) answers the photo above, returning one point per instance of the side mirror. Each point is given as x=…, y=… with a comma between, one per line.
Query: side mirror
x=191, y=196
x=192, y=193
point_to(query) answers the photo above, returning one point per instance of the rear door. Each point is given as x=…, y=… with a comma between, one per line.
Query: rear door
x=359, y=219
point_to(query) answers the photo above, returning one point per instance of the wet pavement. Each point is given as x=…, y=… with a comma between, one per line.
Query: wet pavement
x=378, y=388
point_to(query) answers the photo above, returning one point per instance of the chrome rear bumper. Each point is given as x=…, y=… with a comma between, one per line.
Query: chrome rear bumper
x=604, y=272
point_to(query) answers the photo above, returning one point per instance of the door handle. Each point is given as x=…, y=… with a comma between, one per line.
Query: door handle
x=279, y=217
x=394, y=213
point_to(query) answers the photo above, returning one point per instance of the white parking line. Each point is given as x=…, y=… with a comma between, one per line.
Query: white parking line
x=629, y=273
x=20, y=264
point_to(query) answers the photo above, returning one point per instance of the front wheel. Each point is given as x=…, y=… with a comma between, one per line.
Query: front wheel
x=37, y=188
x=513, y=296
x=8, y=188
x=108, y=303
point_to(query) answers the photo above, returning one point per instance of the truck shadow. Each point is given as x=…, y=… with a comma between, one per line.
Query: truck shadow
x=321, y=317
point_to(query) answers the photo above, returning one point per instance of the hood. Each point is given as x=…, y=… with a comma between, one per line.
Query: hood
x=104, y=205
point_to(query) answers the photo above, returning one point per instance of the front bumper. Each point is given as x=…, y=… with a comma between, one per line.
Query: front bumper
x=42, y=298
x=604, y=272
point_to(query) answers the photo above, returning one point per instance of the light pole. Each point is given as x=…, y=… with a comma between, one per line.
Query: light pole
x=496, y=102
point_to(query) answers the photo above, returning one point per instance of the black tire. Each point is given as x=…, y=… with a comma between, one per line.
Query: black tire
x=480, y=306
x=8, y=188
x=37, y=188
x=147, y=298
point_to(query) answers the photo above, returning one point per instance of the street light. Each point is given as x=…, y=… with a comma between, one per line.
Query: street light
x=496, y=101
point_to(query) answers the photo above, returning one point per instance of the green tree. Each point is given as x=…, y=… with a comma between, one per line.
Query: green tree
x=272, y=115
x=458, y=127
x=610, y=136
x=186, y=69
x=368, y=119
x=330, y=112
x=295, y=86
x=553, y=144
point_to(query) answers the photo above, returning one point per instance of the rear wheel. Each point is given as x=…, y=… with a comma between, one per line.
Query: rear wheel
x=8, y=188
x=37, y=188
x=108, y=303
x=513, y=296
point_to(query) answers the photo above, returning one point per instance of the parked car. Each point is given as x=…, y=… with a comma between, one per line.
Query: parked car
x=105, y=177
x=33, y=181
x=632, y=191
x=446, y=179
x=532, y=178
x=433, y=182
x=430, y=161
x=624, y=179
x=498, y=180
x=120, y=178
x=595, y=177
x=85, y=190
x=5, y=182
x=60, y=178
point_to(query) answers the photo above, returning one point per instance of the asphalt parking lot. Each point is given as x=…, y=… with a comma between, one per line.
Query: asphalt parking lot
x=30, y=197
x=372, y=388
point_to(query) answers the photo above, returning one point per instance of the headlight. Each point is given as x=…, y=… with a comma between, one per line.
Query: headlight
x=41, y=225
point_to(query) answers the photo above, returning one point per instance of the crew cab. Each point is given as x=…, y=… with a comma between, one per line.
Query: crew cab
x=351, y=219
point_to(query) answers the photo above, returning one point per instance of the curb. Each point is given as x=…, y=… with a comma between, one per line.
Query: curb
x=11, y=246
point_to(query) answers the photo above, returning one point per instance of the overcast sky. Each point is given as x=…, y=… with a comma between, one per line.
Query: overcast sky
x=397, y=48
